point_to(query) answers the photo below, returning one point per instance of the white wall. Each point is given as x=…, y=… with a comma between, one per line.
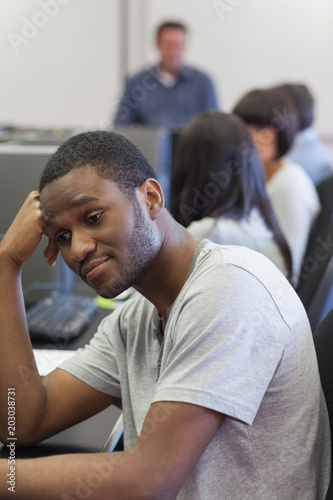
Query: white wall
x=58, y=62
x=69, y=72
x=251, y=43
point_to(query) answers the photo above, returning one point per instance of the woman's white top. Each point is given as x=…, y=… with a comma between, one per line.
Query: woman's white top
x=251, y=232
x=296, y=204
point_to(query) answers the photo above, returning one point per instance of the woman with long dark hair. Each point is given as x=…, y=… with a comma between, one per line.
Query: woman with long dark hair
x=218, y=187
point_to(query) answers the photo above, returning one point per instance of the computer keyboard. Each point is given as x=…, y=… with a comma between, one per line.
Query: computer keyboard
x=60, y=316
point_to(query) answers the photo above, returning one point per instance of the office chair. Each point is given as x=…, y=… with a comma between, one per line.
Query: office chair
x=315, y=287
x=114, y=440
x=323, y=341
x=325, y=193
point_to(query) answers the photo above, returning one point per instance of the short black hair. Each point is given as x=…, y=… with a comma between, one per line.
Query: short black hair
x=170, y=25
x=270, y=108
x=112, y=155
x=303, y=100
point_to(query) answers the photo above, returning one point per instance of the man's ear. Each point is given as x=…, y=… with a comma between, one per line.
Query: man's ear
x=152, y=195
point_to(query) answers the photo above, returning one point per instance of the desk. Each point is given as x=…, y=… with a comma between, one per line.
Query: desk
x=87, y=436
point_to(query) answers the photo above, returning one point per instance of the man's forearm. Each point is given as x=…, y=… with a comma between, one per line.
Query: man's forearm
x=18, y=370
x=17, y=364
x=69, y=477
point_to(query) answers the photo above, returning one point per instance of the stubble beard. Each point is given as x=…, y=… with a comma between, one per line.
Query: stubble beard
x=143, y=249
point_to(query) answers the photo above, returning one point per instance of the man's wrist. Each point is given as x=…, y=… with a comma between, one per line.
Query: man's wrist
x=7, y=261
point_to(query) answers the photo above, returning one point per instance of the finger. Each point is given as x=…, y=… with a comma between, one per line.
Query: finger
x=52, y=260
x=51, y=253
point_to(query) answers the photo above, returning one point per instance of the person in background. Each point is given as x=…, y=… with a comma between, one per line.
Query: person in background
x=308, y=150
x=273, y=121
x=219, y=188
x=170, y=93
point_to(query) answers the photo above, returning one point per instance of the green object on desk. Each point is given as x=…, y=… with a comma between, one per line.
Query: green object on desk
x=110, y=304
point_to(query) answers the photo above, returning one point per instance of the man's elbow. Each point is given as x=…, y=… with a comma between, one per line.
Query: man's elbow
x=26, y=431
x=22, y=439
x=149, y=481
x=157, y=486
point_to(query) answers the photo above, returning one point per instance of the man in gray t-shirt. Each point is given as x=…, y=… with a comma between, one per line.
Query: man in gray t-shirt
x=213, y=359
x=254, y=363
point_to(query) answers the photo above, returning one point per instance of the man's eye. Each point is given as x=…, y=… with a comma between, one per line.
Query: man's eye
x=93, y=218
x=61, y=238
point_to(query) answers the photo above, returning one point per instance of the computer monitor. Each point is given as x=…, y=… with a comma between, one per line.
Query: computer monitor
x=20, y=170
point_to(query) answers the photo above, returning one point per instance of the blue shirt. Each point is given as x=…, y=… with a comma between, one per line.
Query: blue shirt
x=310, y=152
x=148, y=101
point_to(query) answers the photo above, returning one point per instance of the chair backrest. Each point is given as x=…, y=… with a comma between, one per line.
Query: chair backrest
x=315, y=287
x=325, y=193
x=114, y=438
x=323, y=341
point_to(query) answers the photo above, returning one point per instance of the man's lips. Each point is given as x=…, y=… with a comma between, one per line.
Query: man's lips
x=91, y=266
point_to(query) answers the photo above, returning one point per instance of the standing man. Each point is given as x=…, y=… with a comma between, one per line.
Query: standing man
x=170, y=93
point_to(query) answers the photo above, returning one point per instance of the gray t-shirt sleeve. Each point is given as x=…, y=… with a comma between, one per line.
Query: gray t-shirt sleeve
x=224, y=353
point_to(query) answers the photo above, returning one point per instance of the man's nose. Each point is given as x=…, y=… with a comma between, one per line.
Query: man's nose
x=81, y=245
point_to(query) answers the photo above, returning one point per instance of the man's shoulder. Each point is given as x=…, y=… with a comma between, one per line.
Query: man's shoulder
x=224, y=257
x=192, y=72
x=238, y=275
x=238, y=265
x=138, y=77
x=308, y=143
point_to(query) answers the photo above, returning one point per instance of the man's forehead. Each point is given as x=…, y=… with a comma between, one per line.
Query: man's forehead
x=75, y=203
x=81, y=179
x=172, y=32
x=71, y=192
